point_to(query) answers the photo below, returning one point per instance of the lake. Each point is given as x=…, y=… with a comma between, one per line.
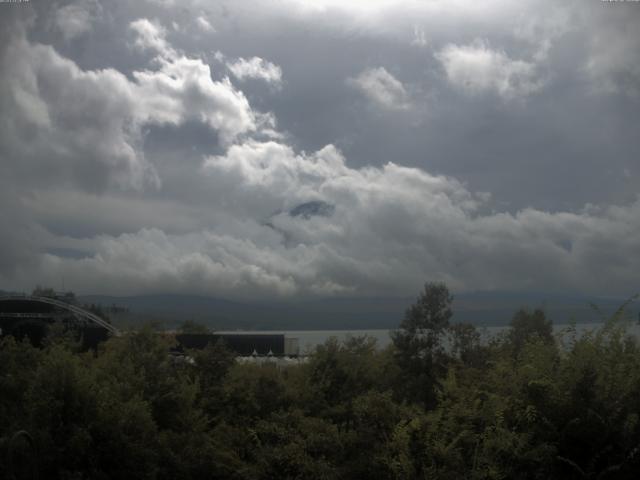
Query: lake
x=309, y=339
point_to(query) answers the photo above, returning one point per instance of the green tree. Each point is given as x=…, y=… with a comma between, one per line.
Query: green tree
x=465, y=344
x=290, y=446
x=418, y=344
x=254, y=391
x=211, y=365
x=191, y=326
x=526, y=326
x=81, y=424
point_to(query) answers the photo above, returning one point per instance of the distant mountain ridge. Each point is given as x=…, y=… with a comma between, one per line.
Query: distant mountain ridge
x=478, y=308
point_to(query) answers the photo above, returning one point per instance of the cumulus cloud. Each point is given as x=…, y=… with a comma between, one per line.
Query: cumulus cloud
x=152, y=36
x=256, y=67
x=76, y=18
x=382, y=88
x=245, y=216
x=389, y=228
x=182, y=89
x=68, y=122
x=476, y=68
x=86, y=124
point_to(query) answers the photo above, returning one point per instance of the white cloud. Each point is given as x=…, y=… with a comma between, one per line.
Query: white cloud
x=613, y=64
x=85, y=125
x=204, y=24
x=68, y=122
x=182, y=89
x=225, y=230
x=398, y=225
x=419, y=37
x=392, y=228
x=476, y=68
x=256, y=67
x=382, y=88
x=76, y=18
x=152, y=36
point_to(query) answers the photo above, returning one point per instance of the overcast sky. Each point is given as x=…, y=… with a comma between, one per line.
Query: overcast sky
x=310, y=148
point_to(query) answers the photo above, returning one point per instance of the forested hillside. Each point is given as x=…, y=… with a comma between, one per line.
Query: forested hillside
x=524, y=406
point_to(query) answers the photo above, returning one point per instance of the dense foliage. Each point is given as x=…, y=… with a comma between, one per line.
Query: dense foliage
x=436, y=404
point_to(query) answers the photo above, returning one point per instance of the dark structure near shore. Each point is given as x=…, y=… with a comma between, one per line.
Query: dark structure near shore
x=243, y=344
x=34, y=317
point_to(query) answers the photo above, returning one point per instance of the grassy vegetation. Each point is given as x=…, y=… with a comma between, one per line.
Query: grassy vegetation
x=524, y=406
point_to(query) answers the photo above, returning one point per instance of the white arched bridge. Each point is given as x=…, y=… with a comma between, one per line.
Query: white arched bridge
x=78, y=312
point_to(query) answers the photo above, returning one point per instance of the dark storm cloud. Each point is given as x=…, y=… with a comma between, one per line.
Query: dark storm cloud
x=492, y=145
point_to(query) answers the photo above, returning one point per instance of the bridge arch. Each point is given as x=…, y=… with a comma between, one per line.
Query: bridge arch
x=79, y=312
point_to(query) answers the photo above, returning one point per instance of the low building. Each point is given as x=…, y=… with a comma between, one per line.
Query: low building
x=243, y=344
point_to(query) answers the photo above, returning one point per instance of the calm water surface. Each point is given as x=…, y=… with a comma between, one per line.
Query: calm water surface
x=309, y=339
